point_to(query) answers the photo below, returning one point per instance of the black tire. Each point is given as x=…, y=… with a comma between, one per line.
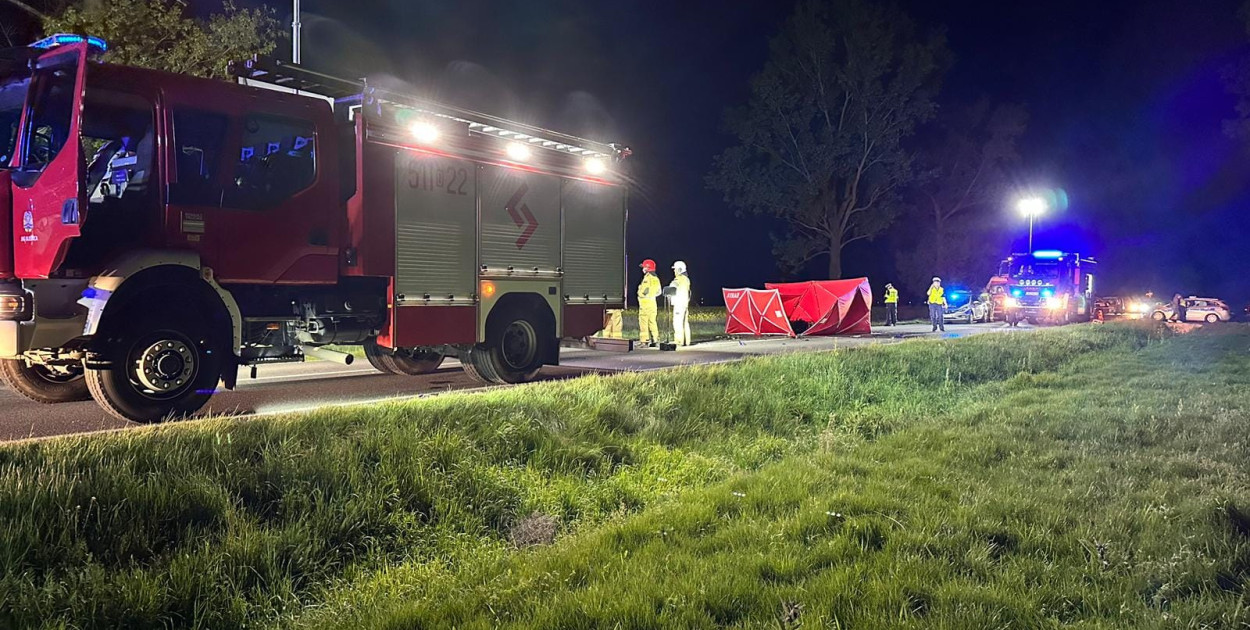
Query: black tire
x=373, y=354
x=515, y=346
x=407, y=362
x=41, y=384
x=466, y=361
x=1212, y=318
x=157, y=369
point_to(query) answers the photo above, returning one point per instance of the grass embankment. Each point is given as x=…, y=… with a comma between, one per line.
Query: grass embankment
x=402, y=514
x=1114, y=492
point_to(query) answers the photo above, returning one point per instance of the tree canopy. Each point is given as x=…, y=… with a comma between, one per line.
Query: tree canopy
x=160, y=34
x=958, y=201
x=820, y=143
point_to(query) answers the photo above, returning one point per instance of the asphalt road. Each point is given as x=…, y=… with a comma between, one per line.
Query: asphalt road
x=282, y=388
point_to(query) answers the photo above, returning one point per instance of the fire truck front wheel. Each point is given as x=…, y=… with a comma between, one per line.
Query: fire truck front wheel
x=156, y=369
x=43, y=384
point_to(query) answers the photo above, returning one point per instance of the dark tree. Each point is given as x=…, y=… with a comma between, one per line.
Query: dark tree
x=1237, y=80
x=960, y=200
x=161, y=34
x=820, y=142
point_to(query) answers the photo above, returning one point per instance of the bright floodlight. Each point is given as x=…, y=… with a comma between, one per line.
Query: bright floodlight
x=424, y=132
x=595, y=166
x=1031, y=206
x=518, y=152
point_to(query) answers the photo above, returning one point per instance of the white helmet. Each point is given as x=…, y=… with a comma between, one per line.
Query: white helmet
x=679, y=266
x=936, y=279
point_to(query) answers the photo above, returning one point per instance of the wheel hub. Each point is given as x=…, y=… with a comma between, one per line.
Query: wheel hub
x=520, y=345
x=166, y=365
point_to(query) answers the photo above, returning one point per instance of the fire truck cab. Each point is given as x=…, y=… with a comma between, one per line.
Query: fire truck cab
x=1049, y=287
x=158, y=231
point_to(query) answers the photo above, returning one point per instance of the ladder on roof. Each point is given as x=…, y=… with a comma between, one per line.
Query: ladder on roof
x=347, y=93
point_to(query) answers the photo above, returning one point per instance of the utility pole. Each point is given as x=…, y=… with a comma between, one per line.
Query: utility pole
x=295, y=26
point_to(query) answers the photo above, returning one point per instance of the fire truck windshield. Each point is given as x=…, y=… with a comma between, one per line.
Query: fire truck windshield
x=12, y=97
x=1036, y=269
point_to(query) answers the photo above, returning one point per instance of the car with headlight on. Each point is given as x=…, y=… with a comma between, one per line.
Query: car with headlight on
x=1114, y=307
x=963, y=306
x=1197, y=309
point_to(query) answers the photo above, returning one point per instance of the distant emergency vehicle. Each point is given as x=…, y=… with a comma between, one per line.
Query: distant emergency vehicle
x=1049, y=287
x=159, y=231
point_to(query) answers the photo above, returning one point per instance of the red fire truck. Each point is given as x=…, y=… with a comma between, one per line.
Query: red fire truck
x=159, y=231
x=1049, y=286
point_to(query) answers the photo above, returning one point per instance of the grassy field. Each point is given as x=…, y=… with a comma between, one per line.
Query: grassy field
x=1089, y=474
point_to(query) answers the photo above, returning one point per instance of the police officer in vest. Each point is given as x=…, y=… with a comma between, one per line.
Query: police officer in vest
x=937, y=305
x=891, y=305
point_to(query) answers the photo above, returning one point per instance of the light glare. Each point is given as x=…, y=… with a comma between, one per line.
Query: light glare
x=519, y=152
x=1031, y=206
x=595, y=166
x=424, y=132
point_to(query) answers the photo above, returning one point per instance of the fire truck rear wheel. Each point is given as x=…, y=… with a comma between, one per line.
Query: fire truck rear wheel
x=514, y=350
x=42, y=384
x=408, y=362
x=157, y=370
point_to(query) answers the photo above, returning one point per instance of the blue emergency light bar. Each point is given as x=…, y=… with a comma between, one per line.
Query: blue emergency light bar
x=68, y=39
x=1048, y=254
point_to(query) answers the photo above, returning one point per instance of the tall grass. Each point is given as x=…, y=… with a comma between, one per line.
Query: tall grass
x=230, y=523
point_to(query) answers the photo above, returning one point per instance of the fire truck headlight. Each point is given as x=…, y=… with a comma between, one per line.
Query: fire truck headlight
x=1053, y=302
x=1012, y=302
x=518, y=152
x=424, y=132
x=595, y=166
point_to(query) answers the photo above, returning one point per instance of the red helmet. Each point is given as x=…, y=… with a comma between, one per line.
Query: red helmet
x=648, y=265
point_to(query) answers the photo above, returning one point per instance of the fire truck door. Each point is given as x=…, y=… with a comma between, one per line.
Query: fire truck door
x=276, y=221
x=48, y=196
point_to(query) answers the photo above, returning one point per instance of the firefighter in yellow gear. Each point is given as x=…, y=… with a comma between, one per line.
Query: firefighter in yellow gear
x=681, y=304
x=891, y=305
x=648, y=291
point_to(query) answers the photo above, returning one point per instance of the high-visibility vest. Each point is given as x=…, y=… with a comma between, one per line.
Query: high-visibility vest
x=937, y=295
x=891, y=296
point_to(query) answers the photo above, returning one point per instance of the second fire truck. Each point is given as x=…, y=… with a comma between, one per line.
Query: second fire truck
x=1049, y=287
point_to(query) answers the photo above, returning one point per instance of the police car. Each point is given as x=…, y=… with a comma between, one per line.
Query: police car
x=1197, y=309
x=963, y=306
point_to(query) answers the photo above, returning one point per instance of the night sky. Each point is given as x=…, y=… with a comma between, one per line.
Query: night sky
x=1125, y=99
